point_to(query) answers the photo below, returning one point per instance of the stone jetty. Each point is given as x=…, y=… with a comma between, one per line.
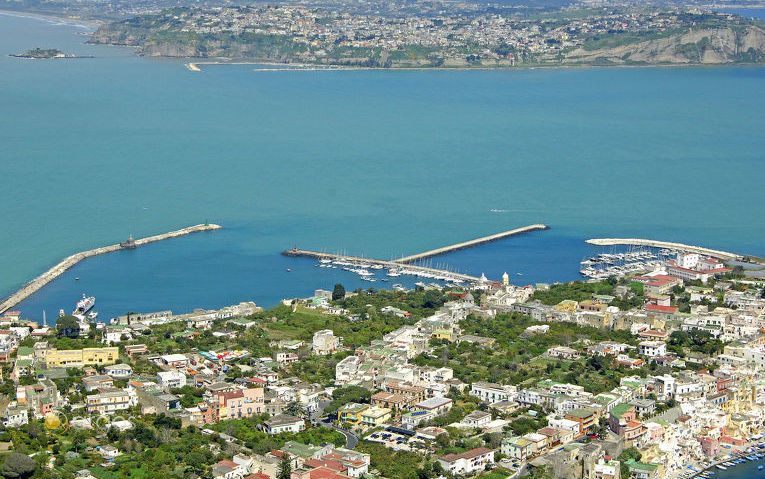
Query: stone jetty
x=723, y=255
x=36, y=284
x=469, y=244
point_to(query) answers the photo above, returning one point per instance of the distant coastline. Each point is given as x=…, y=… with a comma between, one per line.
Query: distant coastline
x=285, y=67
x=75, y=21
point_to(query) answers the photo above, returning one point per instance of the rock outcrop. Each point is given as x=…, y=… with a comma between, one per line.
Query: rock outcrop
x=707, y=46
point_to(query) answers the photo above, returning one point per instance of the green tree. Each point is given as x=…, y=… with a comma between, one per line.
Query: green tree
x=338, y=292
x=626, y=455
x=342, y=396
x=285, y=467
x=294, y=409
x=18, y=466
x=68, y=326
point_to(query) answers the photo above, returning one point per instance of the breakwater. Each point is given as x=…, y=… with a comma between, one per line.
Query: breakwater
x=723, y=255
x=39, y=282
x=469, y=244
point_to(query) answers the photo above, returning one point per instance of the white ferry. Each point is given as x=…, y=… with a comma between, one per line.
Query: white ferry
x=85, y=305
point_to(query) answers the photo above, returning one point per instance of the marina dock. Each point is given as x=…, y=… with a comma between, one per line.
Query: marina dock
x=723, y=255
x=469, y=244
x=406, y=262
x=393, y=265
x=38, y=283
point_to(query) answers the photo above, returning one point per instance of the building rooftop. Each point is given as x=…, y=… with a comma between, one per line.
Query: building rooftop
x=480, y=451
x=434, y=403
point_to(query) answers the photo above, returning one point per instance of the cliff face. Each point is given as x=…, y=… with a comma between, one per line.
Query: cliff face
x=703, y=46
x=116, y=35
x=708, y=46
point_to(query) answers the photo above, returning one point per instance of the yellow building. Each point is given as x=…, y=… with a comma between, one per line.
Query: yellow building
x=740, y=399
x=376, y=416
x=81, y=357
x=443, y=334
x=352, y=412
x=567, y=305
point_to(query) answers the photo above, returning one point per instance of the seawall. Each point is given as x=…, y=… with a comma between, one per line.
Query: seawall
x=38, y=283
x=723, y=255
x=469, y=244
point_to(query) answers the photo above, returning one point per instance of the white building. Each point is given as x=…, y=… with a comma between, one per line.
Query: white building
x=171, y=379
x=325, y=342
x=109, y=401
x=491, y=393
x=347, y=369
x=664, y=387
x=118, y=371
x=285, y=357
x=16, y=416
x=476, y=419
x=653, y=349
x=174, y=360
x=468, y=462
x=283, y=423
x=557, y=422
x=606, y=469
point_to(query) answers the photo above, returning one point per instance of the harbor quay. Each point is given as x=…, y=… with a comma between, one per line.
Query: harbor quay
x=38, y=283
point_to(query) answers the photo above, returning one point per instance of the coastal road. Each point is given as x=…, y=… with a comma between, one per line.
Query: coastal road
x=351, y=439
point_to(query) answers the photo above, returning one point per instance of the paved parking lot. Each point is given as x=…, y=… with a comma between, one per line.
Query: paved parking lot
x=393, y=440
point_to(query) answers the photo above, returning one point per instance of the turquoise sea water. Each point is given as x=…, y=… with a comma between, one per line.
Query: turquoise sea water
x=745, y=470
x=378, y=163
x=747, y=12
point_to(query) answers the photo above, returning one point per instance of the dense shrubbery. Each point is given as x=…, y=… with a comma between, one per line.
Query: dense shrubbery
x=512, y=359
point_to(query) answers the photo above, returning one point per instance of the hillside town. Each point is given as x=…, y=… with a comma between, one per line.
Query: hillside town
x=656, y=375
x=325, y=36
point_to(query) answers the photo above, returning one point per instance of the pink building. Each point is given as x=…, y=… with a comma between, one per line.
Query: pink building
x=709, y=445
x=241, y=403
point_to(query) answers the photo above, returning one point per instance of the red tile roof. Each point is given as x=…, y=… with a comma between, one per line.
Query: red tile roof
x=329, y=463
x=663, y=309
x=324, y=473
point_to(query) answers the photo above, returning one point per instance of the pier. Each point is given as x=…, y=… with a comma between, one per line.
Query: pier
x=469, y=244
x=394, y=265
x=407, y=260
x=723, y=255
x=38, y=283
